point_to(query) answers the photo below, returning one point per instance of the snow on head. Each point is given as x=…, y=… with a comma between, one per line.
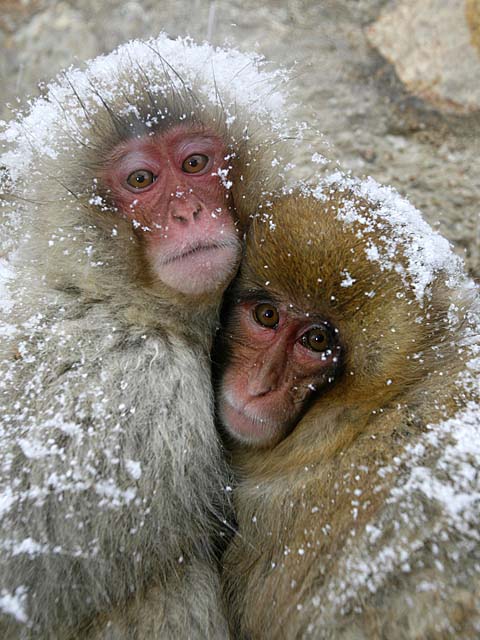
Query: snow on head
x=226, y=78
x=426, y=252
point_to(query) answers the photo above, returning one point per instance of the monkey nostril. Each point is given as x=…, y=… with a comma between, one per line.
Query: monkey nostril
x=186, y=215
x=180, y=217
x=260, y=388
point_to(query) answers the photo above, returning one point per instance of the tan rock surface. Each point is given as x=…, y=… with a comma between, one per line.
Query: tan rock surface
x=430, y=45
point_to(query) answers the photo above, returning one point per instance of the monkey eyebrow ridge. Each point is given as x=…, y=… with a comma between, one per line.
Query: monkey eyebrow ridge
x=254, y=295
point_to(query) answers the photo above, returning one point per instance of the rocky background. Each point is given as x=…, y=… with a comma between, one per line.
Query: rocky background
x=393, y=85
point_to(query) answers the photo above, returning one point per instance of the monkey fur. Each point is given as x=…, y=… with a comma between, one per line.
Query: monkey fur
x=362, y=523
x=112, y=475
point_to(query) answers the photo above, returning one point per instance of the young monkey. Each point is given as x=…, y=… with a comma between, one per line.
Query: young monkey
x=349, y=399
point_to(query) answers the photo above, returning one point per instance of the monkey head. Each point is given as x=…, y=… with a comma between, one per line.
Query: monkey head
x=154, y=166
x=328, y=309
x=170, y=187
x=279, y=355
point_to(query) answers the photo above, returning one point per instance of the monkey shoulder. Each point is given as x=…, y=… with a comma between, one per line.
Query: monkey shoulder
x=110, y=466
x=381, y=540
x=404, y=557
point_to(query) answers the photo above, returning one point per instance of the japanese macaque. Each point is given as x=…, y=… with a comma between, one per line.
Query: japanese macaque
x=123, y=187
x=349, y=396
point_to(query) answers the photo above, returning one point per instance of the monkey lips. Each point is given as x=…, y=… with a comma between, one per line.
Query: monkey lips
x=197, y=268
x=253, y=422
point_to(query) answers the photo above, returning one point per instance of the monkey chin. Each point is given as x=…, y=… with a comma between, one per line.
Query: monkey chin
x=249, y=428
x=199, y=269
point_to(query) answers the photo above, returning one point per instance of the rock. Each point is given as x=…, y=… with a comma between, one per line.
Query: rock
x=473, y=21
x=52, y=40
x=15, y=11
x=434, y=46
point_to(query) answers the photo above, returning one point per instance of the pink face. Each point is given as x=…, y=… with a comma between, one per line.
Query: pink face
x=278, y=360
x=172, y=188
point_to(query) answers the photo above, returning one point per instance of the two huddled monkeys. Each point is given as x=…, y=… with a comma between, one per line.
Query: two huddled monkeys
x=349, y=395
x=123, y=190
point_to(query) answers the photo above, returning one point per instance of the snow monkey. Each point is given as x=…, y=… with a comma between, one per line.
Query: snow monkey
x=350, y=398
x=123, y=186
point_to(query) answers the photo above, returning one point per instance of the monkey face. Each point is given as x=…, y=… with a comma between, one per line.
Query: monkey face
x=172, y=188
x=278, y=359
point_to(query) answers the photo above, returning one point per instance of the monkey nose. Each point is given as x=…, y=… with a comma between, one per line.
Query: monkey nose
x=185, y=212
x=258, y=388
x=263, y=380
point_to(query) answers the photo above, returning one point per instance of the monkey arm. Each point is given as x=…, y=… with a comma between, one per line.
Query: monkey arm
x=364, y=543
x=187, y=609
x=104, y=478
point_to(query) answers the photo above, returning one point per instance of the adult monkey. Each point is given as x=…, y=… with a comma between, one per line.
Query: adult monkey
x=123, y=225
x=350, y=394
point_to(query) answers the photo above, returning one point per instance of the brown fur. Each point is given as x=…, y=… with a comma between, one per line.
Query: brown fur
x=328, y=546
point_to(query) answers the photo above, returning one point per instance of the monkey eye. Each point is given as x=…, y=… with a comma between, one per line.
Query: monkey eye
x=195, y=163
x=316, y=339
x=141, y=179
x=266, y=315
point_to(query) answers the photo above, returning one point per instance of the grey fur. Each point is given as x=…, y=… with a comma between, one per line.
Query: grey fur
x=112, y=475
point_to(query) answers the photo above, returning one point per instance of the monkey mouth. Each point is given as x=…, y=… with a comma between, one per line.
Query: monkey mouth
x=248, y=426
x=199, y=267
x=196, y=250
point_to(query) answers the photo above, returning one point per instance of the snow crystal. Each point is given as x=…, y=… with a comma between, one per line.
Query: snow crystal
x=32, y=448
x=14, y=604
x=7, y=499
x=29, y=547
x=113, y=496
x=6, y=273
x=6, y=303
x=317, y=158
x=348, y=280
x=134, y=469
